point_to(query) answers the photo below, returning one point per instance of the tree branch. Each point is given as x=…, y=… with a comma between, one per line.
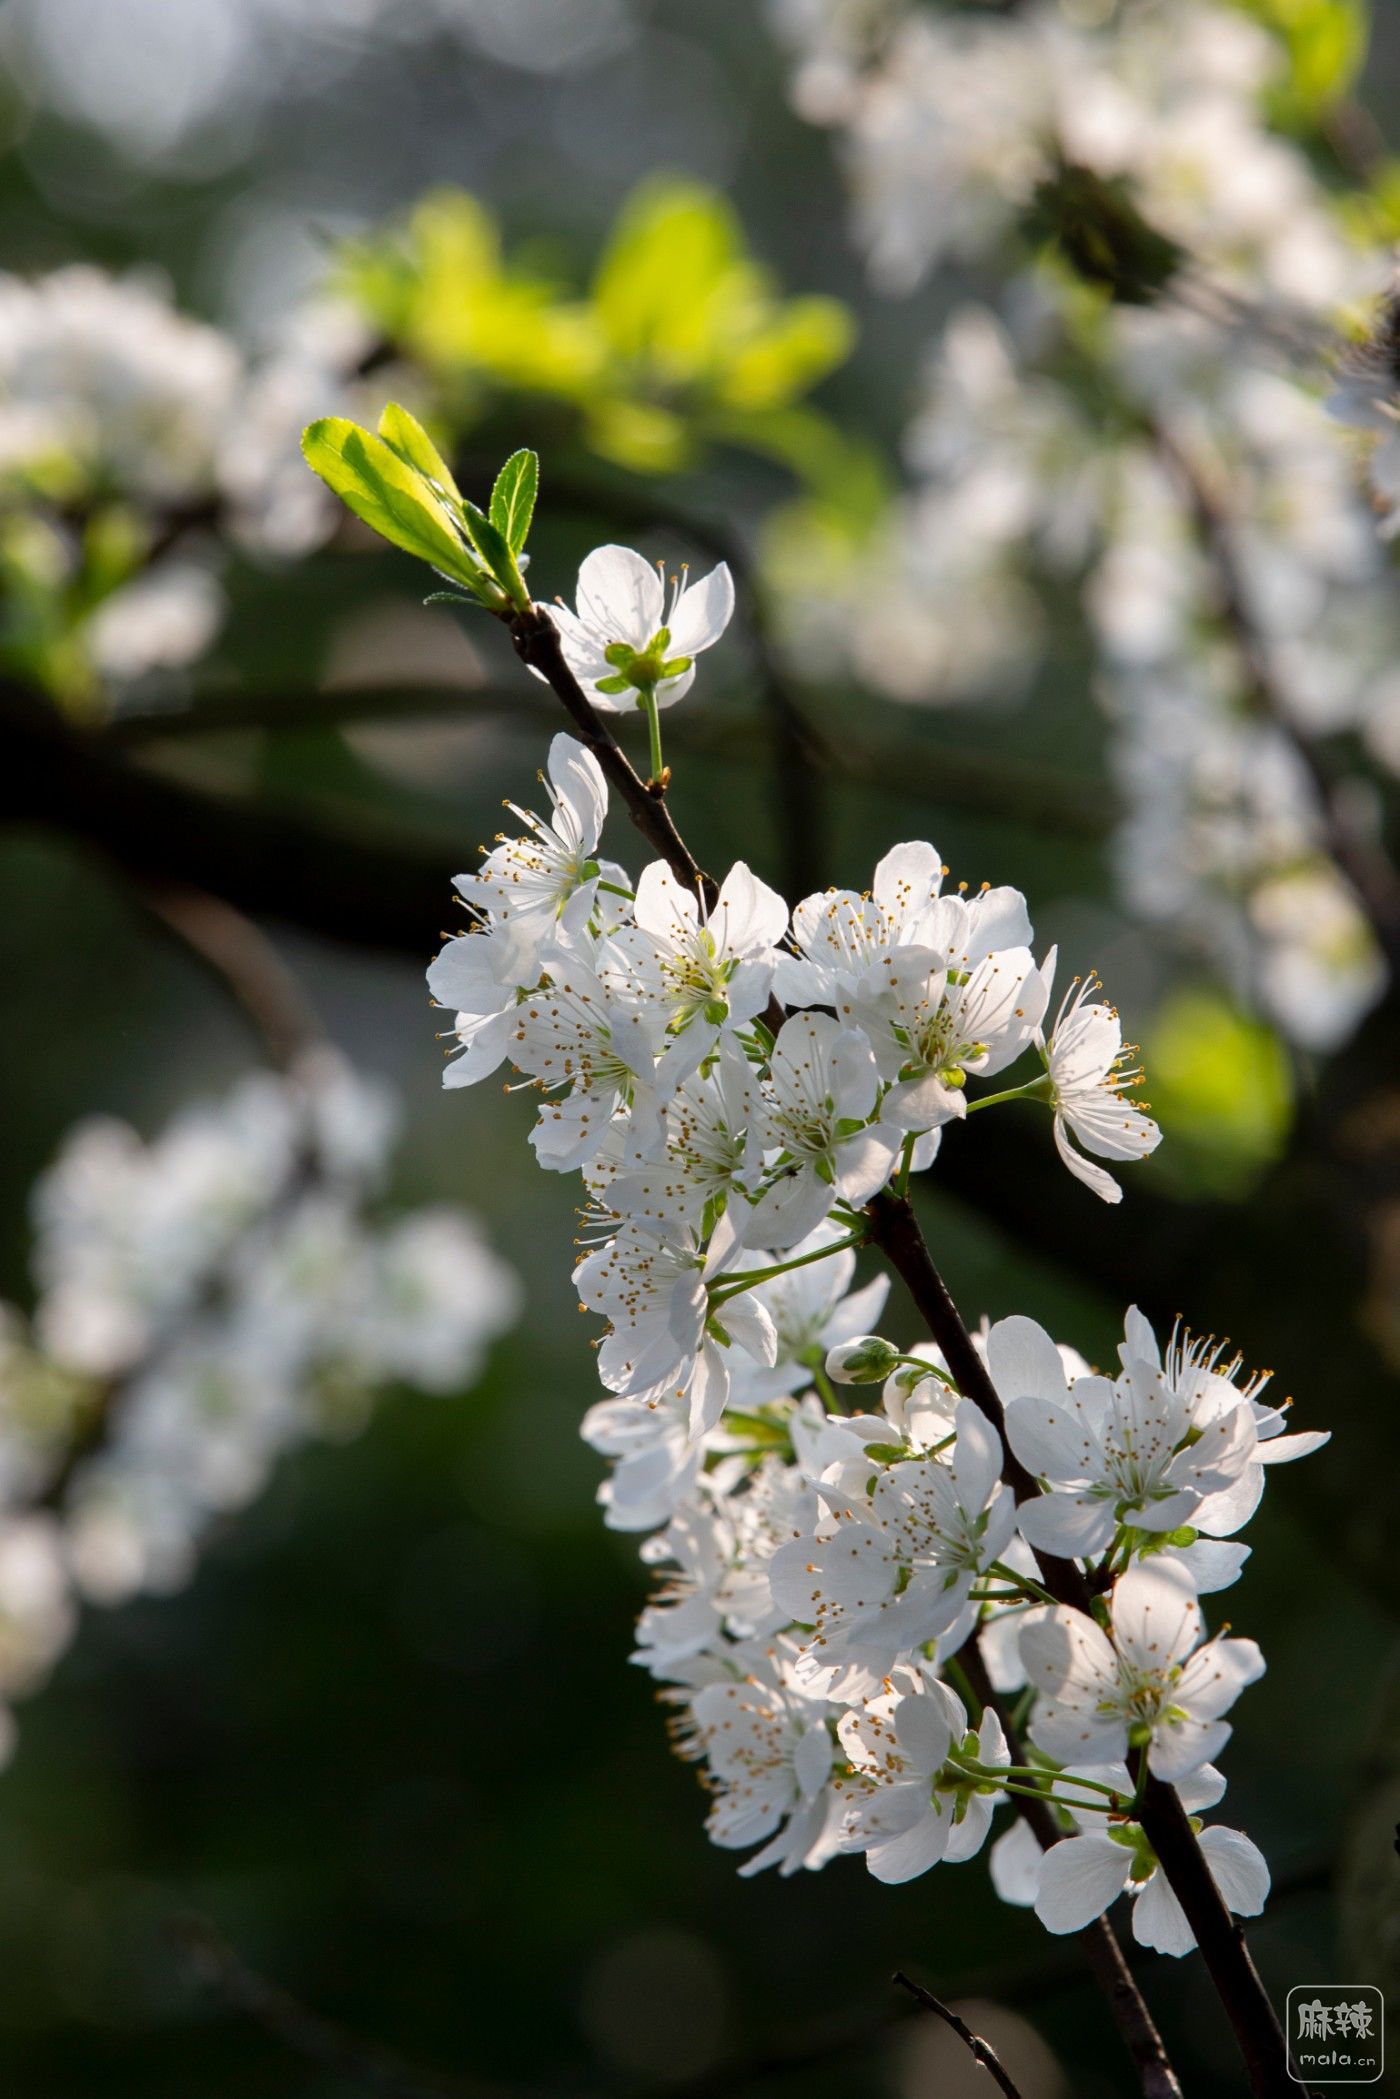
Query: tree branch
x=537, y=644
x=373, y=885
x=1221, y=1939
x=895, y=1229
x=209, y=1956
x=1363, y=863
x=982, y=2051
x=1042, y=797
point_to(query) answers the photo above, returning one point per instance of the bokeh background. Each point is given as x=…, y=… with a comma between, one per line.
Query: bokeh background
x=385, y=1748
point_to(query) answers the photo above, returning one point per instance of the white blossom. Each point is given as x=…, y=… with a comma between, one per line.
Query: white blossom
x=909, y=1808
x=770, y=1753
x=1156, y=1683
x=896, y=1568
x=624, y=639
x=1089, y=1075
x=527, y=884
x=704, y=969
x=822, y=1089
x=1131, y=1451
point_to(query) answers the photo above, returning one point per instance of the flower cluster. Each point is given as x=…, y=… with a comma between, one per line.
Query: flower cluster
x=1165, y=451
x=125, y=428
x=205, y=1302
x=826, y=1571
x=740, y=1086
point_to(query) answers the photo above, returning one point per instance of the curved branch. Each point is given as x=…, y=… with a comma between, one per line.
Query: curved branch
x=243, y=962
x=981, y=2051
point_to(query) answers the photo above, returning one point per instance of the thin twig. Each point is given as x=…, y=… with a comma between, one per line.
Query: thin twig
x=306, y=2033
x=244, y=963
x=982, y=2051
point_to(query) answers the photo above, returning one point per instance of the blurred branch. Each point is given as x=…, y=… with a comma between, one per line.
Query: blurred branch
x=370, y=884
x=1361, y=860
x=982, y=2052
x=210, y=1958
x=1042, y=798
x=244, y=964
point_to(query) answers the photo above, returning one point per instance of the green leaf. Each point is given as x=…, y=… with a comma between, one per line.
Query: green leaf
x=513, y=497
x=496, y=552
x=404, y=435
x=389, y=495
x=1326, y=44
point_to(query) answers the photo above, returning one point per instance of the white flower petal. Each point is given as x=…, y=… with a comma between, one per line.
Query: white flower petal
x=1079, y=1878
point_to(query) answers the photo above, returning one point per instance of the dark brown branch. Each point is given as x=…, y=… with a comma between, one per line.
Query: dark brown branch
x=981, y=2051
x=896, y=1230
x=1098, y=1941
x=537, y=644
x=1221, y=1939
x=372, y=885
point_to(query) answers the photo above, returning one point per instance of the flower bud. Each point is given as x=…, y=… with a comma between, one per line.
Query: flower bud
x=868, y=1360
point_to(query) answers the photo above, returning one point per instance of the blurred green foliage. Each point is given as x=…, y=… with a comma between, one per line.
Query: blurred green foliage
x=681, y=340
x=1221, y=1089
x=1325, y=45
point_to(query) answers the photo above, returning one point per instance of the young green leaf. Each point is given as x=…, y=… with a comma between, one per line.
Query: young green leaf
x=496, y=553
x=513, y=497
x=391, y=497
x=406, y=436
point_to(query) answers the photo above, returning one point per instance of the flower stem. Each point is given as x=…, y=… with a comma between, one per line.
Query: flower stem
x=731, y=1285
x=647, y=702
x=1036, y=1090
